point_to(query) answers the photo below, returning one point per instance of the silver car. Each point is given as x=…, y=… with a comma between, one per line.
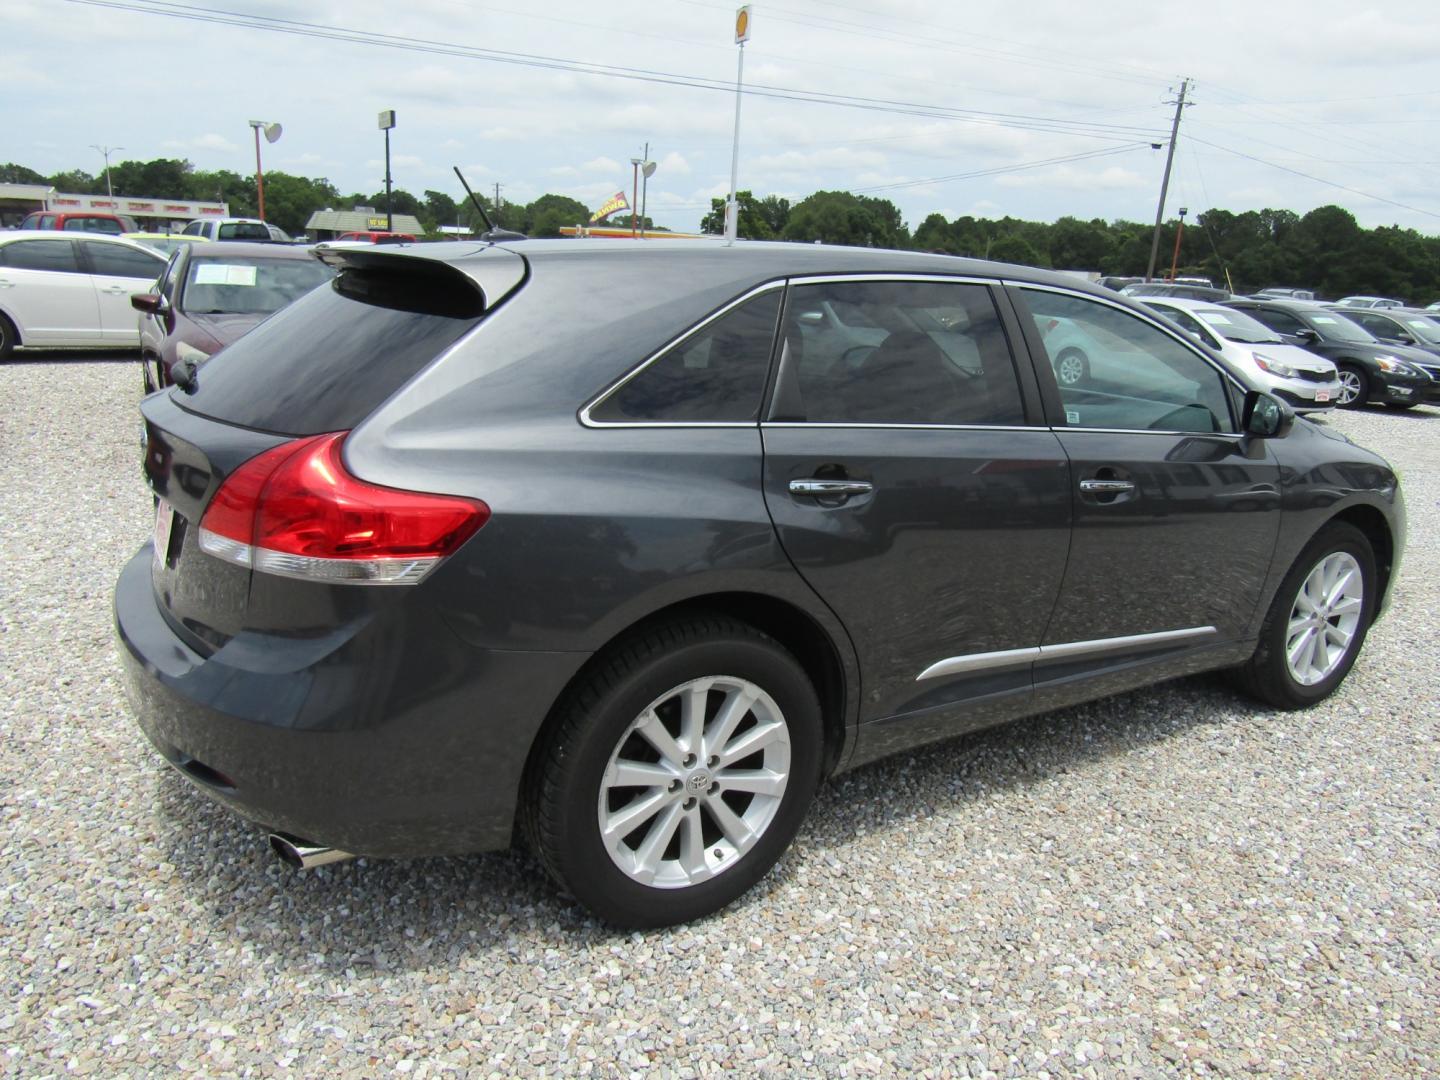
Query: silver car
x=1307, y=382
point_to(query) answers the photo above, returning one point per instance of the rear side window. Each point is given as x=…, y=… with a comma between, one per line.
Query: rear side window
x=94, y=224
x=716, y=375
x=55, y=255
x=328, y=360
x=897, y=353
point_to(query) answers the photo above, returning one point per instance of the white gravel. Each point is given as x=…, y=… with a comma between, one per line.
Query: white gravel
x=1171, y=881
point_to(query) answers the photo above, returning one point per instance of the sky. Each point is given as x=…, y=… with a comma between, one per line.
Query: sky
x=1030, y=108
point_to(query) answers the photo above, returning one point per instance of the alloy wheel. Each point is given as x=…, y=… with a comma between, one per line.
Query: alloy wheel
x=1349, y=387
x=694, y=782
x=1071, y=369
x=1324, y=618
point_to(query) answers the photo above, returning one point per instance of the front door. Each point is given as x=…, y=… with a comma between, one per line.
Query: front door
x=119, y=272
x=912, y=494
x=1175, y=513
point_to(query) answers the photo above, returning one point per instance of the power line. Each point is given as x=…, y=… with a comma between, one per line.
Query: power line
x=292, y=27
x=1001, y=169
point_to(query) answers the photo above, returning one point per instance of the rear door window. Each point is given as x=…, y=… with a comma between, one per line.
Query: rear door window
x=115, y=261
x=244, y=230
x=328, y=360
x=714, y=375
x=898, y=353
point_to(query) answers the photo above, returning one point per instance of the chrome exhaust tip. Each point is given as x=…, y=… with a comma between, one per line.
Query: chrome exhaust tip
x=302, y=854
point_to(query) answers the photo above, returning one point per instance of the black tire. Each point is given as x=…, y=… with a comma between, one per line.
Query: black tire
x=8, y=338
x=1356, y=377
x=563, y=786
x=1267, y=674
x=1072, y=368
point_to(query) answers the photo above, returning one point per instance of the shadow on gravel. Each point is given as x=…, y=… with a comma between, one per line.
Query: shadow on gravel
x=1418, y=412
x=404, y=915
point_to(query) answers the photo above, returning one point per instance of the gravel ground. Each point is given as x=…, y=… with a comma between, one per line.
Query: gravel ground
x=1171, y=881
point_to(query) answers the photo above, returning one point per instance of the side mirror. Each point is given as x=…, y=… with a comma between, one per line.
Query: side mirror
x=1266, y=417
x=149, y=303
x=1306, y=334
x=1403, y=338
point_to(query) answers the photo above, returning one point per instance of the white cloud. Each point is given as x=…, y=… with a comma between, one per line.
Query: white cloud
x=208, y=141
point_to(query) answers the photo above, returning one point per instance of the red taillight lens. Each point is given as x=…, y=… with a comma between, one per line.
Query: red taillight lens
x=294, y=510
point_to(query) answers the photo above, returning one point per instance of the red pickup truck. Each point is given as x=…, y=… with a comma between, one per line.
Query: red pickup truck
x=79, y=221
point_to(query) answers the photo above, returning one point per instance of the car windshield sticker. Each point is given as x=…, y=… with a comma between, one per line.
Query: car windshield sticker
x=221, y=274
x=1072, y=416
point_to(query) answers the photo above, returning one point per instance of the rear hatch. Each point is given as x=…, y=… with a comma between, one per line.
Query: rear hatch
x=320, y=365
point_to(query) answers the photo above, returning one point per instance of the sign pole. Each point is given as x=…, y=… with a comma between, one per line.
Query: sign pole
x=732, y=207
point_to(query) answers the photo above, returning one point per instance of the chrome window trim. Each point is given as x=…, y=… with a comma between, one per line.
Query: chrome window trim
x=1069, y=650
x=1152, y=320
x=903, y=427
x=599, y=399
x=898, y=275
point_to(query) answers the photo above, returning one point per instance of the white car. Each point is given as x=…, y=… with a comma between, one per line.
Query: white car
x=1307, y=382
x=71, y=289
x=252, y=230
x=1369, y=302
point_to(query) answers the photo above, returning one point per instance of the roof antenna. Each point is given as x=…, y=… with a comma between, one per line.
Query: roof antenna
x=491, y=233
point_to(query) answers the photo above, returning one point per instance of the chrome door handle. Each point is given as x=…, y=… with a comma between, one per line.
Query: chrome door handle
x=1106, y=487
x=832, y=488
x=5, y=283
x=114, y=290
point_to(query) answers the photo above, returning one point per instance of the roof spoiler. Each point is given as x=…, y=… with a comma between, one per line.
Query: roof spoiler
x=465, y=288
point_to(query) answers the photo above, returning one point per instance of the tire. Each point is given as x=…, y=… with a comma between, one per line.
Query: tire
x=1270, y=674
x=147, y=380
x=1354, y=387
x=675, y=862
x=1072, y=367
x=8, y=338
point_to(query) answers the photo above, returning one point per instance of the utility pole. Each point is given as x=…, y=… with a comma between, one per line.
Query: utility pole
x=1165, y=183
x=497, y=200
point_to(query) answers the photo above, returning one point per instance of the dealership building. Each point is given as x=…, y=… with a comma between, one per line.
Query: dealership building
x=149, y=214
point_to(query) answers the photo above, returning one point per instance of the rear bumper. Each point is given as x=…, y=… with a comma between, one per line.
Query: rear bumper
x=384, y=739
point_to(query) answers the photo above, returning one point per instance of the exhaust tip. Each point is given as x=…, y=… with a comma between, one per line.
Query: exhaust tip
x=304, y=855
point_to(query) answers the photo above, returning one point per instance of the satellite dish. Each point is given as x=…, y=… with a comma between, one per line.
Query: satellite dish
x=272, y=132
x=647, y=170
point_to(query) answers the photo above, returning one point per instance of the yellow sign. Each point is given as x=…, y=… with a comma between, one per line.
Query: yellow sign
x=375, y=222
x=614, y=204
x=742, y=25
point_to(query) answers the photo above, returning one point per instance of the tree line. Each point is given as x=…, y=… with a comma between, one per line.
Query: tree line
x=1325, y=249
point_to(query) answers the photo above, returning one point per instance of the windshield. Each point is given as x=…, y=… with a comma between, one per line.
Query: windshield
x=252, y=285
x=1237, y=326
x=1339, y=328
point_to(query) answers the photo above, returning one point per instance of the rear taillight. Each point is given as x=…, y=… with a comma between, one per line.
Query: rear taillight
x=295, y=511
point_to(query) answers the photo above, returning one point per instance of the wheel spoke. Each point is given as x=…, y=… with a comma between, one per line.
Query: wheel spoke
x=757, y=738
x=639, y=774
x=1340, y=637
x=1301, y=652
x=692, y=718
x=692, y=845
x=734, y=829
x=628, y=818
x=653, y=731
x=1346, y=605
x=652, y=848
x=734, y=709
x=1297, y=624
x=1303, y=603
x=759, y=781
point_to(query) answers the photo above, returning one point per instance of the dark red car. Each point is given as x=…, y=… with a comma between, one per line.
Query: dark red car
x=211, y=294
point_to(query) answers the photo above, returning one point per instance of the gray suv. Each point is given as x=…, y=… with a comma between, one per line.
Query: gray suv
x=621, y=548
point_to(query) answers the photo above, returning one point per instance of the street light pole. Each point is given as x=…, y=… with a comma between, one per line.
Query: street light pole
x=635, y=164
x=1179, y=232
x=387, y=121
x=106, y=151
x=272, y=132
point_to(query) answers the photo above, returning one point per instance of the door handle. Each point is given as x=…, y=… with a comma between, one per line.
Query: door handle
x=5, y=283
x=830, y=488
x=114, y=290
x=1106, y=487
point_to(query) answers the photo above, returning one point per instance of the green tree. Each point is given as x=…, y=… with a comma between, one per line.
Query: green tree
x=756, y=218
x=838, y=217
x=1015, y=249
x=77, y=182
x=10, y=173
x=547, y=214
x=1079, y=245
x=439, y=209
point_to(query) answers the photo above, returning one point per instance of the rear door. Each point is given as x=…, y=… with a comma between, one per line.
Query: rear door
x=118, y=272
x=45, y=289
x=913, y=492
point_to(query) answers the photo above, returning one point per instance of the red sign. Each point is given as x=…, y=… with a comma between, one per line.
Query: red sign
x=104, y=202
x=66, y=202
x=180, y=208
x=212, y=211
x=139, y=206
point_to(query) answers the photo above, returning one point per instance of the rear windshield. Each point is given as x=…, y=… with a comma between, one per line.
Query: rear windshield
x=328, y=360
x=244, y=230
x=250, y=285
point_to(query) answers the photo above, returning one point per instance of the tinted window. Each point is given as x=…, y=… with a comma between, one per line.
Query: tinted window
x=1117, y=371
x=119, y=261
x=100, y=225
x=195, y=228
x=172, y=277
x=898, y=352
x=1282, y=321
x=244, y=230
x=57, y=255
x=248, y=286
x=1337, y=327
x=328, y=360
x=716, y=375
